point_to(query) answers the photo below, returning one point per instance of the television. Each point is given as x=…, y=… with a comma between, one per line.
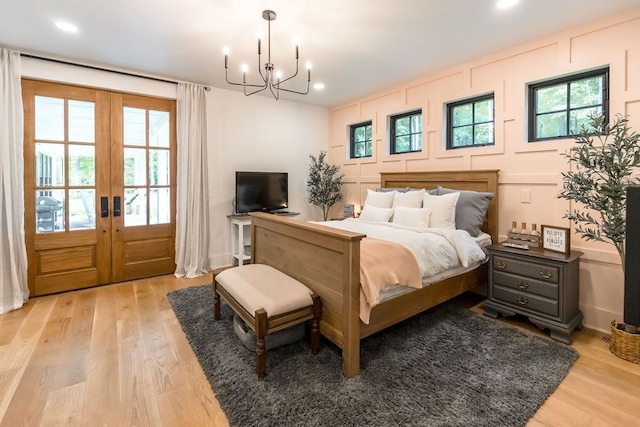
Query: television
x=261, y=191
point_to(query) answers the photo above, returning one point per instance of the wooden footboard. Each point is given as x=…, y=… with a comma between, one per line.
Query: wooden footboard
x=327, y=260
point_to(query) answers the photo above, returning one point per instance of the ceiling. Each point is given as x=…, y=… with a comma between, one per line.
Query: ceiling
x=356, y=47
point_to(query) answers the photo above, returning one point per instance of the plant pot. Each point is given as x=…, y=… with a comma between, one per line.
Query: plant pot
x=624, y=344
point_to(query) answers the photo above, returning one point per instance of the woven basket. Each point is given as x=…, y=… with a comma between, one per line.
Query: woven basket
x=624, y=345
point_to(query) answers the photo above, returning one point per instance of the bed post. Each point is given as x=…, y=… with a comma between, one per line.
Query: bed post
x=351, y=311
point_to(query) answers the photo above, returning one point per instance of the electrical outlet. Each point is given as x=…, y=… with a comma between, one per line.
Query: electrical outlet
x=525, y=196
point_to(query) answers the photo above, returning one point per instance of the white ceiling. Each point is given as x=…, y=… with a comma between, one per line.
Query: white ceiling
x=356, y=46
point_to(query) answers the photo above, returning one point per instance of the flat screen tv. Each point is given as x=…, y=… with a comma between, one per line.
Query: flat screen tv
x=261, y=191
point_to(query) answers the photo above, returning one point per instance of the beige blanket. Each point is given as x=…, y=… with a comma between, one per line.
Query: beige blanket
x=384, y=264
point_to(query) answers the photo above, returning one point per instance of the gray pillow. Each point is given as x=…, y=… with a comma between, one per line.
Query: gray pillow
x=470, y=210
x=386, y=190
x=433, y=191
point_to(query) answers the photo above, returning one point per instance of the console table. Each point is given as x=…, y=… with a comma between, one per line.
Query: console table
x=240, y=251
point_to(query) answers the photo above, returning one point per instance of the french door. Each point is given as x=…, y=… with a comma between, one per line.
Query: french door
x=99, y=186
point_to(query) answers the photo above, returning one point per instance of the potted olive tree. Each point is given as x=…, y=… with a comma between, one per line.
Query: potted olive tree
x=604, y=162
x=324, y=185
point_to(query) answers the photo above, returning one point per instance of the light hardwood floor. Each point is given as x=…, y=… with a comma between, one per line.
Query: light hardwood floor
x=116, y=356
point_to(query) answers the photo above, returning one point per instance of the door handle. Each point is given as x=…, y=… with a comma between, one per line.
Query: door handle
x=104, y=207
x=116, y=206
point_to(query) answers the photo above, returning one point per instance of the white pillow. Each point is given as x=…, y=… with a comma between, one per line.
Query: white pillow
x=443, y=209
x=411, y=217
x=380, y=199
x=410, y=199
x=373, y=213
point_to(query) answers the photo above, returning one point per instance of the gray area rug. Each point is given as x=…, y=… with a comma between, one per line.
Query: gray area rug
x=445, y=367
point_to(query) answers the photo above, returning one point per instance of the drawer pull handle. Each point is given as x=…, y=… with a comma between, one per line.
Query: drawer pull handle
x=522, y=301
x=546, y=274
x=501, y=265
x=522, y=284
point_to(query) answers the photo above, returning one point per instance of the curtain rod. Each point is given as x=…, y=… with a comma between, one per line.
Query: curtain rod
x=93, y=67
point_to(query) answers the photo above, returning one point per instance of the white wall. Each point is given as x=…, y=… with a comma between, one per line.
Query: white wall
x=258, y=133
x=244, y=133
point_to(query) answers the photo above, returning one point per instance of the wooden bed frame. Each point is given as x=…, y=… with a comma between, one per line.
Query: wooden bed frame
x=327, y=260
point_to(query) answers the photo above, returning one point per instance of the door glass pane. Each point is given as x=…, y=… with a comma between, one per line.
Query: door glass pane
x=159, y=206
x=49, y=211
x=135, y=206
x=135, y=126
x=81, y=121
x=49, y=165
x=49, y=118
x=82, y=165
x=135, y=167
x=158, y=167
x=82, y=209
x=158, y=128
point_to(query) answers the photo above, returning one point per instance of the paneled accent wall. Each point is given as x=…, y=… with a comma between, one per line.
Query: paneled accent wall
x=534, y=167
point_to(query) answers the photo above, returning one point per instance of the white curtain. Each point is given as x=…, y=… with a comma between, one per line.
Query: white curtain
x=192, y=210
x=14, y=290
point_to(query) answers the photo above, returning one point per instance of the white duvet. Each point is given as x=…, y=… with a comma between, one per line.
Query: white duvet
x=435, y=249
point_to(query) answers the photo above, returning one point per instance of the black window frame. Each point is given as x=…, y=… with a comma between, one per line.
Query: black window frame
x=393, y=148
x=352, y=140
x=472, y=101
x=533, y=88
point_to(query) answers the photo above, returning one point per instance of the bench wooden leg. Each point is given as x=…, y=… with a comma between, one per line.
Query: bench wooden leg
x=261, y=349
x=315, y=324
x=216, y=302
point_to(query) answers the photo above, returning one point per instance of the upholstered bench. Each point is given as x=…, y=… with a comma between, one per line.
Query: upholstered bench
x=268, y=301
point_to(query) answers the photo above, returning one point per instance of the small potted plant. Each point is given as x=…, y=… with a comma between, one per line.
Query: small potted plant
x=605, y=160
x=324, y=185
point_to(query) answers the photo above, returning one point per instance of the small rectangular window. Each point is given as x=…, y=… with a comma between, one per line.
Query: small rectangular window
x=470, y=122
x=406, y=132
x=558, y=108
x=361, y=136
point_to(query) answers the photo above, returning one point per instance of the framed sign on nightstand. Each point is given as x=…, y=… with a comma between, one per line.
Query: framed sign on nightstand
x=556, y=239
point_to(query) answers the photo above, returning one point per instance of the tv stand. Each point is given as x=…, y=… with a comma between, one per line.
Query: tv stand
x=240, y=250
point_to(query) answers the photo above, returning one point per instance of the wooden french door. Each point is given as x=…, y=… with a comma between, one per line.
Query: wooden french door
x=99, y=186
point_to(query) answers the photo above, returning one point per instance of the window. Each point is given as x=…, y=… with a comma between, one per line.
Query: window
x=559, y=107
x=361, y=137
x=406, y=132
x=470, y=122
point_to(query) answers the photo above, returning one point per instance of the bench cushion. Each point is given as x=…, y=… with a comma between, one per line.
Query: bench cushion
x=257, y=286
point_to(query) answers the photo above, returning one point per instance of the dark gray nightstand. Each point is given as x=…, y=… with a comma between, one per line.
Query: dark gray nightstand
x=537, y=283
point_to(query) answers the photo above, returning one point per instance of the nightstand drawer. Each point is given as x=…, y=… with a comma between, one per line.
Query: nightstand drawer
x=526, y=284
x=526, y=301
x=524, y=268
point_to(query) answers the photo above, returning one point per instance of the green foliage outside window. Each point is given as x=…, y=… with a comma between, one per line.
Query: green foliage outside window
x=361, y=140
x=471, y=122
x=562, y=107
x=407, y=133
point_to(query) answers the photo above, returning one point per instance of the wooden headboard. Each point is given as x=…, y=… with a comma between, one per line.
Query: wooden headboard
x=478, y=180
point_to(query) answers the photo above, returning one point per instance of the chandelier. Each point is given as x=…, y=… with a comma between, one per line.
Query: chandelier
x=271, y=78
